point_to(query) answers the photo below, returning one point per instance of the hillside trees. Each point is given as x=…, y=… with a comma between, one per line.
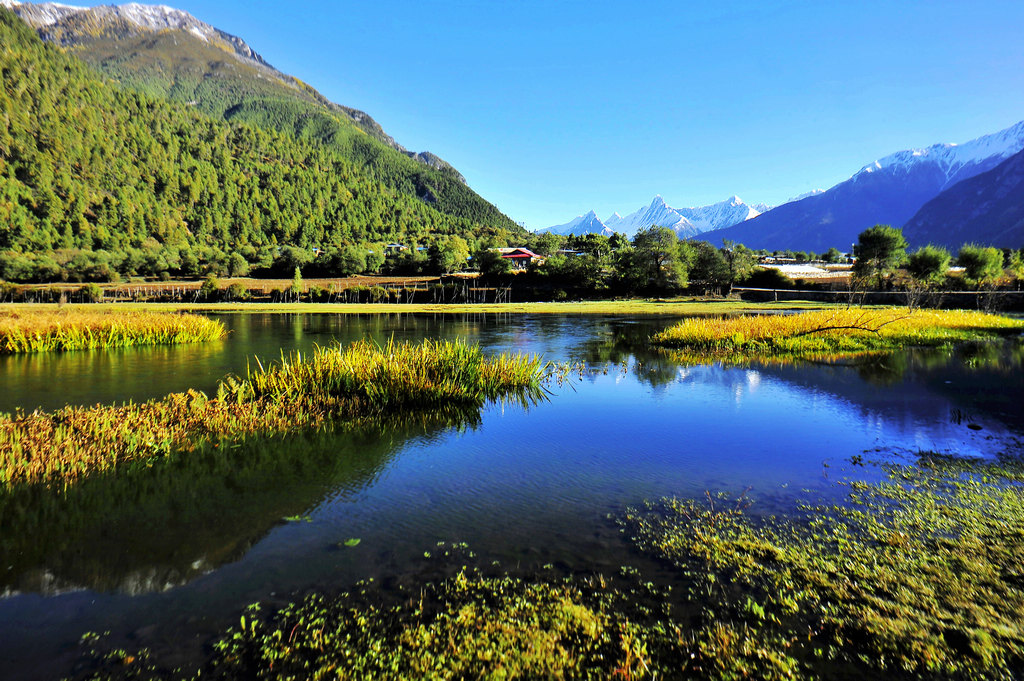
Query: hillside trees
x=96, y=182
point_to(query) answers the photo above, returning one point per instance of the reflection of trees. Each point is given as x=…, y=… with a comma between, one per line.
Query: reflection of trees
x=152, y=527
x=628, y=345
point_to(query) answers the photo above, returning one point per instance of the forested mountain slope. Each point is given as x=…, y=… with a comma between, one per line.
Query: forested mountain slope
x=167, y=52
x=93, y=174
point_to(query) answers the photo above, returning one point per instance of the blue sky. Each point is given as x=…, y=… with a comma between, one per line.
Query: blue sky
x=551, y=108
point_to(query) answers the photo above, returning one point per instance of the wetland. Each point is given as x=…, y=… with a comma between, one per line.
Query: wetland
x=555, y=512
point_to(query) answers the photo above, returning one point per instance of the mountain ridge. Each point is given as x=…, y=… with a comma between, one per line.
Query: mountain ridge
x=987, y=208
x=888, y=191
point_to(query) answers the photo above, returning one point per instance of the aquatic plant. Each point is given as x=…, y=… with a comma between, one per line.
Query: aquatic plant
x=828, y=333
x=35, y=330
x=362, y=381
x=426, y=374
x=918, y=574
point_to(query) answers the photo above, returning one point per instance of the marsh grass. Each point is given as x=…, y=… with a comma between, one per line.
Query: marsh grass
x=64, y=329
x=918, y=575
x=362, y=381
x=423, y=375
x=828, y=334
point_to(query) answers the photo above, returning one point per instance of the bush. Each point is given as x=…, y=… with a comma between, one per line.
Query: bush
x=767, y=277
x=91, y=293
x=210, y=287
x=236, y=292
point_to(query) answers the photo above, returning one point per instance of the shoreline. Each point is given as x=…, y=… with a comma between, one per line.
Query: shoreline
x=602, y=307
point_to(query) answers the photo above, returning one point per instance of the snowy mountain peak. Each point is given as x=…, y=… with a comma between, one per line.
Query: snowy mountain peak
x=954, y=160
x=49, y=16
x=686, y=222
x=581, y=224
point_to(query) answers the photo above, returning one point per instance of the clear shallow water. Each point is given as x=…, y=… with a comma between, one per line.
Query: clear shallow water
x=167, y=557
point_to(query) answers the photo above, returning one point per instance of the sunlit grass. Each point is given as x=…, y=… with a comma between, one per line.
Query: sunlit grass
x=60, y=329
x=299, y=393
x=828, y=333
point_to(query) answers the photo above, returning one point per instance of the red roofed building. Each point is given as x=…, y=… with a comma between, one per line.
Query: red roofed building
x=520, y=257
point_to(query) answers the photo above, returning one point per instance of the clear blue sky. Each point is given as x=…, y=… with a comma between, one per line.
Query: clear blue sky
x=551, y=108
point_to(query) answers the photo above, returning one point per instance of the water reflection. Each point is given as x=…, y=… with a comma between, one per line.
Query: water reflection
x=526, y=488
x=150, y=529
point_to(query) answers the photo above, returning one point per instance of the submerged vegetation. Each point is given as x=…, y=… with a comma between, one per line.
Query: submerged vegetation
x=361, y=380
x=63, y=329
x=917, y=575
x=829, y=333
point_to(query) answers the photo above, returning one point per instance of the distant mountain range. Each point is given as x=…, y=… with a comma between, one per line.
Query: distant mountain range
x=888, y=191
x=945, y=194
x=686, y=222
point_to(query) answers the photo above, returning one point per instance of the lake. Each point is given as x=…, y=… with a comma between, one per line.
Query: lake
x=167, y=557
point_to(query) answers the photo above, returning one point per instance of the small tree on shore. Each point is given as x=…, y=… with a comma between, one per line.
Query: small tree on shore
x=982, y=265
x=879, y=251
x=296, y=287
x=926, y=268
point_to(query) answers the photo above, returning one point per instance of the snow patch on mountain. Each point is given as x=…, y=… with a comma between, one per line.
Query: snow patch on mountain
x=805, y=195
x=45, y=14
x=146, y=17
x=952, y=159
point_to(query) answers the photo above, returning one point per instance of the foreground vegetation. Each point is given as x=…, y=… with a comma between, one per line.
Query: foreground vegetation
x=828, y=333
x=916, y=576
x=360, y=381
x=61, y=329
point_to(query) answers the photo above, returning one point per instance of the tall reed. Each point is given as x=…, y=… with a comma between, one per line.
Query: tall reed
x=824, y=333
x=362, y=381
x=83, y=329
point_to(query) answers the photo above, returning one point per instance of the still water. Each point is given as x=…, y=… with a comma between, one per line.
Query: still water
x=165, y=558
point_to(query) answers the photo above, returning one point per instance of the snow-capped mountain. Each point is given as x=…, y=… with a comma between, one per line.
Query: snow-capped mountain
x=956, y=161
x=686, y=222
x=889, y=191
x=581, y=224
x=985, y=209
x=657, y=214
x=49, y=18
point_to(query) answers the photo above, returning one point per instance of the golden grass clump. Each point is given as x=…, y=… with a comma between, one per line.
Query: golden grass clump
x=829, y=333
x=427, y=374
x=363, y=380
x=83, y=329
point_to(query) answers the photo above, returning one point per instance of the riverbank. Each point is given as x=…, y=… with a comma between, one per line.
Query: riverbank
x=828, y=334
x=301, y=392
x=51, y=328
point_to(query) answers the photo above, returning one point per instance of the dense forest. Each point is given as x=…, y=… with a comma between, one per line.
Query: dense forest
x=97, y=179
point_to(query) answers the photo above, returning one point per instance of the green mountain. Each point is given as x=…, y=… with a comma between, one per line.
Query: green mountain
x=168, y=52
x=96, y=176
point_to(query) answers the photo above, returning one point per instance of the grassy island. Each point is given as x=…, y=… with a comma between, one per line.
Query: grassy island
x=74, y=328
x=300, y=392
x=828, y=334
